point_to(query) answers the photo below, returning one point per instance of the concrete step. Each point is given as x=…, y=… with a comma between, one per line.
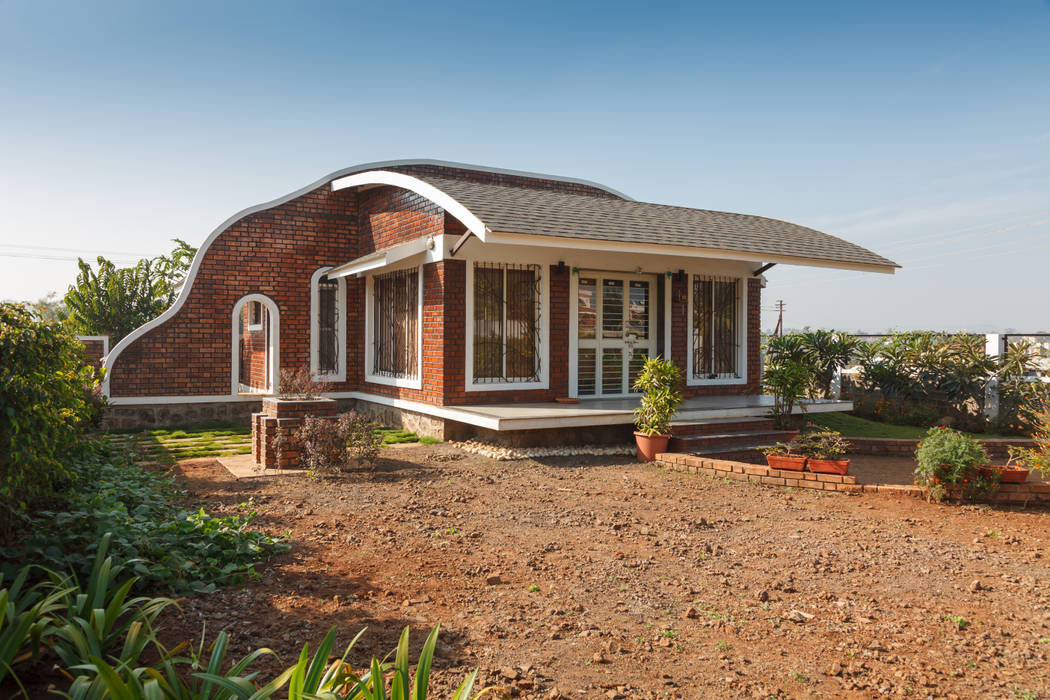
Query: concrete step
x=692, y=443
x=722, y=425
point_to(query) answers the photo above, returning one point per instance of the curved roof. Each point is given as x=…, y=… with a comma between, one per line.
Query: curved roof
x=547, y=213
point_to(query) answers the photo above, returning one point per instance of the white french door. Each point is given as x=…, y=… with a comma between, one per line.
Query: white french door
x=615, y=331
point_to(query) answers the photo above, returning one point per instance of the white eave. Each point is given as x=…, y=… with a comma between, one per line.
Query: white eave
x=384, y=258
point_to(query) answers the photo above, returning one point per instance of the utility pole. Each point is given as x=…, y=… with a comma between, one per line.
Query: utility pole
x=779, y=330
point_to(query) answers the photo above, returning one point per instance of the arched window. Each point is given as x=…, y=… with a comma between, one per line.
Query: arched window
x=327, y=327
x=255, y=350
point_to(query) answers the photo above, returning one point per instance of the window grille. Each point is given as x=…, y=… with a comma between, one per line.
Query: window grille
x=506, y=323
x=716, y=336
x=395, y=318
x=328, y=326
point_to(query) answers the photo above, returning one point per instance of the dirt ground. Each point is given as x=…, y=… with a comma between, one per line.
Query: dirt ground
x=605, y=578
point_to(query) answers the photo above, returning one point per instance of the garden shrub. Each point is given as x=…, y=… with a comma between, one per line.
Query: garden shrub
x=329, y=445
x=45, y=403
x=788, y=381
x=299, y=383
x=165, y=544
x=949, y=461
x=1035, y=413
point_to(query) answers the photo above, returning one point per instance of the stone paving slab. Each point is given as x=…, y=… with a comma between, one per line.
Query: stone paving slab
x=244, y=467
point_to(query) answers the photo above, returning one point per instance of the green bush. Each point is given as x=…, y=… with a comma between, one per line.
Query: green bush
x=949, y=460
x=788, y=380
x=45, y=405
x=163, y=543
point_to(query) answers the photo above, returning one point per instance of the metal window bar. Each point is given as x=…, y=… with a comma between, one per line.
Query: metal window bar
x=395, y=322
x=327, y=326
x=506, y=323
x=716, y=332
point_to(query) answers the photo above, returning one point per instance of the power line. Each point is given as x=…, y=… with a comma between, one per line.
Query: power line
x=89, y=251
x=60, y=258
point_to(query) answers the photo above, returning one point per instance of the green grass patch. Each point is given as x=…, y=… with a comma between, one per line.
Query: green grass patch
x=855, y=426
x=168, y=445
x=398, y=436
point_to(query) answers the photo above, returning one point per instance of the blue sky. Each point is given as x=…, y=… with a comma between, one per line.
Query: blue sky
x=918, y=129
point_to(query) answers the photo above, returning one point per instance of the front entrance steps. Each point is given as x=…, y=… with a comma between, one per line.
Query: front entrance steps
x=737, y=439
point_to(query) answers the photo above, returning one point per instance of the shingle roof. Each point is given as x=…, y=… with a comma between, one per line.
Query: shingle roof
x=546, y=213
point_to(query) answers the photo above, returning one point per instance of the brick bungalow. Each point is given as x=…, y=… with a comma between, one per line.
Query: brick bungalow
x=461, y=300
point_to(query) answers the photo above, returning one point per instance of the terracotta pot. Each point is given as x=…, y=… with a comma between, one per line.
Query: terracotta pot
x=1007, y=475
x=566, y=399
x=648, y=446
x=795, y=463
x=828, y=466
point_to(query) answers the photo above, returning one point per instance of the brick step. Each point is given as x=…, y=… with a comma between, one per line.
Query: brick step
x=693, y=443
x=720, y=426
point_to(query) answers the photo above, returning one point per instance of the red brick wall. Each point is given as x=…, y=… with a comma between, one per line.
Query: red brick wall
x=272, y=252
x=275, y=252
x=388, y=216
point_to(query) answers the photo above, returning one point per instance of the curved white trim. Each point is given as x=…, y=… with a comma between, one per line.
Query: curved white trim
x=340, y=328
x=274, y=342
x=191, y=275
x=407, y=182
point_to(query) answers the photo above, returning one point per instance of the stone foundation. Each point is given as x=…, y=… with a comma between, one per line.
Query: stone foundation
x=170, y=415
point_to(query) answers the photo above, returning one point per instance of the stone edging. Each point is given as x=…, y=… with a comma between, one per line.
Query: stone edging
x=760, y=474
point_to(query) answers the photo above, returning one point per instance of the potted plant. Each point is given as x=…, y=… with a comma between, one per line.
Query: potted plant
x=785, y=455
x=825, y=449
x=658, y=383
x=1008, y=473
x=949, y=464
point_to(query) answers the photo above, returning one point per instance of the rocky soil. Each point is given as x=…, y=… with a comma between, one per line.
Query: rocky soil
x=598, y=577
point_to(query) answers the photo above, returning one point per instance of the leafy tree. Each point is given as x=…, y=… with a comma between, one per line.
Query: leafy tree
x=829, y=351
x=115, y=300
x=45, y=405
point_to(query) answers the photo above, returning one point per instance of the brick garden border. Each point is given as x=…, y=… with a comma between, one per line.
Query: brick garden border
x=1022, y=494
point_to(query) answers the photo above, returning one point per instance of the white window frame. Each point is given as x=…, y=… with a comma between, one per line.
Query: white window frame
x=315, y=328
x=274, y=341
x=403, y=382
x=741, y=326
x=543, y=334
x=254, y=326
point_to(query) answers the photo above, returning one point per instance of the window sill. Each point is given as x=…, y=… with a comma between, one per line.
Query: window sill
x=402, y=382
x=507, y=386
x=715, y=382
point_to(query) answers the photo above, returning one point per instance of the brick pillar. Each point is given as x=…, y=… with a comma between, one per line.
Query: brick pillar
x=283, y=417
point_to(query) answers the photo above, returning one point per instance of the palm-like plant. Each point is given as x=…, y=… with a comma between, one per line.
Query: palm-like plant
x=659, y=383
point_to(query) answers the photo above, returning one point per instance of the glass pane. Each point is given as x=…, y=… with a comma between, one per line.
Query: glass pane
x=586, y=359
x=701, y=327
x=638, y=310
x=327, y=326
x=612, y=370
x=724, y=328
x=521, y=324
x=638, y=358
x=488, y=323
x=588, y=315
x=395, y=322
x=612, y=308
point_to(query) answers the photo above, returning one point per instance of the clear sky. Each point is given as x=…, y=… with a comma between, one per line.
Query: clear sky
x=920, y=130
